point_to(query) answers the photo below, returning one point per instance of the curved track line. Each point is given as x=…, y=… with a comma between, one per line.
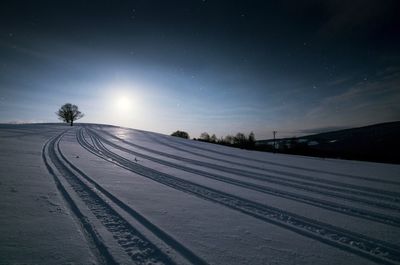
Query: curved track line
x=297, y=184
x=270, y=162
x=169, y=240
x=370, y=248
x=135, y=245
x=396, y=195
x=97, y=245
x=352, y=211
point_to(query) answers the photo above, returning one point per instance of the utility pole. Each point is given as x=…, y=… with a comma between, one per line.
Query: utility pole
x=274, y=141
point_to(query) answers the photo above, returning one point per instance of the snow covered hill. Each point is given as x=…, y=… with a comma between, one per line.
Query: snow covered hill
x=96, y=194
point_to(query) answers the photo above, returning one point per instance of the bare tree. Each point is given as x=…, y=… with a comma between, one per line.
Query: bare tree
x=69, y=113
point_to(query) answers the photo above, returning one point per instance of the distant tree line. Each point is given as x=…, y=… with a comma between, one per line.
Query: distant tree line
x=239, y=140
x=377, y=143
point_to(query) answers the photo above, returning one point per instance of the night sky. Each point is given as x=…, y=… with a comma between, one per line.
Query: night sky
x=217, y=66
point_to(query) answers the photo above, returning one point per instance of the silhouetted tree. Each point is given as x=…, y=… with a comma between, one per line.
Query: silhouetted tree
x=251, y=141
x=213, y=138
x=180, y=134
x=240, y=140
x=69, y=113
x=204, y=137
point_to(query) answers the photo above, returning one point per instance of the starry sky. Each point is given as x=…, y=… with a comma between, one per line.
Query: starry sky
x=296, y=67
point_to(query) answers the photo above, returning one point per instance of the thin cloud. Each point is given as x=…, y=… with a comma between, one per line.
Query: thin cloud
x=373, y=101
x=322, y=129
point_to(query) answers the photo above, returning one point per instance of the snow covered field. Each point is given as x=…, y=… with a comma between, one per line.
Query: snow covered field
x=95, y=194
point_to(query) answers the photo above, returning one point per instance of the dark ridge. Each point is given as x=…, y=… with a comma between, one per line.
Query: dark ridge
x=376, y=143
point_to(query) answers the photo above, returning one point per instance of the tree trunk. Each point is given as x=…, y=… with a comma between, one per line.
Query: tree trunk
x=72, y=122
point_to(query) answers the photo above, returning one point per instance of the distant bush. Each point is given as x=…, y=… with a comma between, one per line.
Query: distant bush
x=180, y=134
x=204, y=137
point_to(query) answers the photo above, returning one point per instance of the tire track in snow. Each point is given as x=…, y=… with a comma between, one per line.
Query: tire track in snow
x=296, y=184
x=266, y=162
x=395, y=196
x=96, y=244
x=135, y=245
x=169, y=240
x=367, y=247
x=352, y=211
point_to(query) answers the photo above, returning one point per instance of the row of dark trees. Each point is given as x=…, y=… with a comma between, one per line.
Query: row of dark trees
x=239, y=140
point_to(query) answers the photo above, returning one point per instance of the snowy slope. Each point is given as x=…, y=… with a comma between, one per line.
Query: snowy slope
x=111, y=195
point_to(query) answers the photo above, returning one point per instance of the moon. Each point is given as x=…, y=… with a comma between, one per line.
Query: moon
x=123, y=103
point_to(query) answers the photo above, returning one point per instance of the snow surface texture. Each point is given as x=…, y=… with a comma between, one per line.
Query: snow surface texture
x=95, y=194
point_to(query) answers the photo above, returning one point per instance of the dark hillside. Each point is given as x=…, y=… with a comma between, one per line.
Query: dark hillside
x=379, y=143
